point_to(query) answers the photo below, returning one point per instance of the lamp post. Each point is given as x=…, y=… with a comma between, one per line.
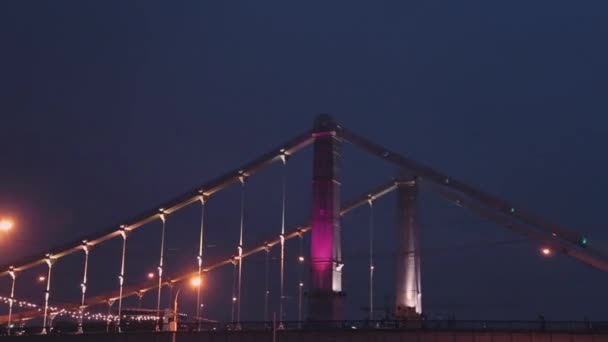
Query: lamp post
x=195, y=282
x=173, y=325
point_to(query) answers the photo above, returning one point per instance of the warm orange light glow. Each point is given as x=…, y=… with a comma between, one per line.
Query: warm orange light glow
x=150, y=275
x=6, y=224
x=546, y=251
x=41, y=278
x=196, y=281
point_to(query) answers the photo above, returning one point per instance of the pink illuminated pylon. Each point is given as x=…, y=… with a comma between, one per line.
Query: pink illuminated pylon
x=325, y=247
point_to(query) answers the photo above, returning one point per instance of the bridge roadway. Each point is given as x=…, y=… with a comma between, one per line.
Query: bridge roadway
x=323, y=336
x=344, y=331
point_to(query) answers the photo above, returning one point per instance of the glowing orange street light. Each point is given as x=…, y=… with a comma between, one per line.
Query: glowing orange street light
x=6, y=224
x=196, y=281
x=546, y=251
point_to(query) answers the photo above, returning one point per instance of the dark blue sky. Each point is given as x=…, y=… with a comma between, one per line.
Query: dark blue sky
x=112, y=107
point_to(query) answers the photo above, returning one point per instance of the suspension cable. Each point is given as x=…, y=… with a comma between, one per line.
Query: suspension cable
x=300, y=280
x=47, y=293
x=13, y=275
x=140, y=288
x=83, y=286
x=199, y=260
x=266, y=281
x=160, y=268
x=282, y=236
x=242, y=179
x=371, y=258
x=233, y=299
x=121, y=277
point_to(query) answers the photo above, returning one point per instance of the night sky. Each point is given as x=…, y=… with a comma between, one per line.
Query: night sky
x=113, y=107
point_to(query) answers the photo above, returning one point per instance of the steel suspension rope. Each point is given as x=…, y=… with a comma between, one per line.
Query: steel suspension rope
x=242, y=179
x=199, y=260
x=300, y=280
x=487, y=200
x=47, y=292
x=11, y=299
x=284, y=157
x=160, y=267
x=347, y=207
x=266, y=281
x=83, y=285
x=371, y=257
x=233, y=299
x=121, y=277
x=174, y=204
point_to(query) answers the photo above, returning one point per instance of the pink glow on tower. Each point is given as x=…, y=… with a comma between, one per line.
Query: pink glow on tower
x=325, y=247
x=322, y=242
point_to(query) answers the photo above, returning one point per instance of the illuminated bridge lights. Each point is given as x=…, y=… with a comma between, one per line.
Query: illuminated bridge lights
x=19, y=303
x=75, y=314
x=323, y=246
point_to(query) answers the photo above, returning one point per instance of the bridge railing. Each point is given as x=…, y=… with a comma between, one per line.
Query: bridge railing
x=355, y=325
x=451, y=325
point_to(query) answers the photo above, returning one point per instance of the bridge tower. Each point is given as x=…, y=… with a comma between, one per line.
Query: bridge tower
x=408, y=294
x=325, y=297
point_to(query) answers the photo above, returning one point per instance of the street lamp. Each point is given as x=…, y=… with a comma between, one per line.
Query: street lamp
x=6, y=224
x=195, y=282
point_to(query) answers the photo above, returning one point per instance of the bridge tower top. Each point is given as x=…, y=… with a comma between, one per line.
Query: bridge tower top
x=324, y=123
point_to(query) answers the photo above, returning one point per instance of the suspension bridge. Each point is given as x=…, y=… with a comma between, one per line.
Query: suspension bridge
x=320, y=301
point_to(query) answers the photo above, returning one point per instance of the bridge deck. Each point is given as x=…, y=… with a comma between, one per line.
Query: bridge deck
x=323, y=336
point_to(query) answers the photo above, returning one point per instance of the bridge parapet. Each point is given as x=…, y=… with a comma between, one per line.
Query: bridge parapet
x=322, y=336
